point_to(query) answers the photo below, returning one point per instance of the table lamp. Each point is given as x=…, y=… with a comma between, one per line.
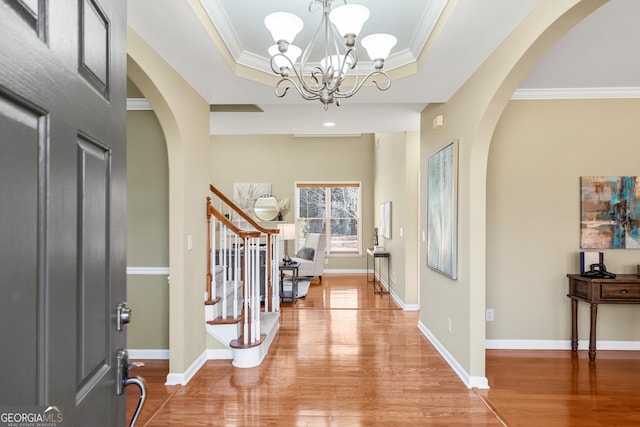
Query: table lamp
x=287, y=232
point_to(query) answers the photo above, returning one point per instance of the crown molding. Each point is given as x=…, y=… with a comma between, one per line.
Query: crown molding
x=428, y=21
x=577, y=93
x=148, y=271
x=222, y=23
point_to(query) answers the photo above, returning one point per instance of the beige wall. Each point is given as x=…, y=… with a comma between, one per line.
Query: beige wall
x=538, y=153
x=281, y=160
x=396, y=181
x=147, y=229
x=148, y=192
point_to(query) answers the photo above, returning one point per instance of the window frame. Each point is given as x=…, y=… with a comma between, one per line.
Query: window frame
x=328, y=185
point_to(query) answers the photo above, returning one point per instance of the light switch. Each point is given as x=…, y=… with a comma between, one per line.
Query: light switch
x=189, y=242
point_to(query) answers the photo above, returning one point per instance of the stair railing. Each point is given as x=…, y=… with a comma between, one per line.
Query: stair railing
x=237, y=251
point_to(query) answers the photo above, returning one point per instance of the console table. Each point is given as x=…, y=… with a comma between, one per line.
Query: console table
x=377, y=256
x=624, y=289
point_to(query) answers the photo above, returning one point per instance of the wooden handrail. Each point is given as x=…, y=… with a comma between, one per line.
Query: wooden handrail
x=242, y=213
x=223, y=219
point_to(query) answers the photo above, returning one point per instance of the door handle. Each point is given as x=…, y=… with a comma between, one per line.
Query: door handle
x=123, y=380
x=123, y=315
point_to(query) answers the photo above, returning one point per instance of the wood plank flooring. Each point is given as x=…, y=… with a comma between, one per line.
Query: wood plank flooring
x=347, y=357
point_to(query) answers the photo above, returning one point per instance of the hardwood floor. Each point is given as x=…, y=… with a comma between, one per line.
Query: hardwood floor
x=346, y=357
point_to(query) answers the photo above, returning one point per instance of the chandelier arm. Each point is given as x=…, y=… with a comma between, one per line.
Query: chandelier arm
x=309, y=96
x=275, y=68
x=303, y=88
x=307, y=50
x=355, y=89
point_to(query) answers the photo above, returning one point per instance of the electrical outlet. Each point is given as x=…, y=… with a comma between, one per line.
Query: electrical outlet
x=490, y=315
x=449, y=325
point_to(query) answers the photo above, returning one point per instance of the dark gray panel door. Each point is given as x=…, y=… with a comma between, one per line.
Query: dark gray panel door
x=62, y=206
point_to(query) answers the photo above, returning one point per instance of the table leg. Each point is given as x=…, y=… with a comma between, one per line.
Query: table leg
x=574, y=324
x=294, y=285
x=592, y=332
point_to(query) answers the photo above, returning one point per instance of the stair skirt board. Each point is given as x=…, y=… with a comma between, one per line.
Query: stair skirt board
x=253, y=356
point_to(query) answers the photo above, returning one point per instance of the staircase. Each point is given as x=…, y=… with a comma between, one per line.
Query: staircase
x=242, y=297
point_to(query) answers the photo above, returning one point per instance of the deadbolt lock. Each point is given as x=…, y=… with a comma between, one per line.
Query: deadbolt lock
x=123, y=315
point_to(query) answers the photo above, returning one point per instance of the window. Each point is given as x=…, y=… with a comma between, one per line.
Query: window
x=332, y=209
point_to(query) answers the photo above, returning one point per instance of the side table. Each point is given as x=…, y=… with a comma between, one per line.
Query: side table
x=292, y=268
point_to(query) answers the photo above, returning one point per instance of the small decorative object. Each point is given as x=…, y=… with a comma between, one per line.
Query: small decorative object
x=375, y=237
x=283, y=207
x=588, y=258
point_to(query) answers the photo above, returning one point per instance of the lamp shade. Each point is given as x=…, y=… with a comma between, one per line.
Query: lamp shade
x=283, y=26
x=287, y=231
x=379, y=46
x=349, y=18
x=293, y=52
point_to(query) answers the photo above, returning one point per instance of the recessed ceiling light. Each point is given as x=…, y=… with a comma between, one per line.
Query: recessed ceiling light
x=328, y=124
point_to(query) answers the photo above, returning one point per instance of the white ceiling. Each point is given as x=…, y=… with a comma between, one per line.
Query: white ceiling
x=599, y=52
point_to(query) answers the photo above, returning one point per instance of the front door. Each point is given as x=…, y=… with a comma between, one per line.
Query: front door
x=62, y=209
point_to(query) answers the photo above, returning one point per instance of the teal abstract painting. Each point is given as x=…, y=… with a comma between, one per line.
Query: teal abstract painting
x=609, y=212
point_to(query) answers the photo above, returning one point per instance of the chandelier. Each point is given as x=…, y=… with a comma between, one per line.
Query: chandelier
x=337, y=34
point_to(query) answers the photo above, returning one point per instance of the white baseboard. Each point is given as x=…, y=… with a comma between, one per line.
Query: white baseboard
x=558, y=345
x=185, y=377
x=159, y=354
x=402, y=305
x=468, y=380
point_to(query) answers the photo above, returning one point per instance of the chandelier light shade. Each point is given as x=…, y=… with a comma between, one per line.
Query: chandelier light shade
x=349, y=19
x=379, y=46
x=284, y=26
x=323, y=78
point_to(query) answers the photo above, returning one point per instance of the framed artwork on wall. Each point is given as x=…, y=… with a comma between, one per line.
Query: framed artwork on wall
x=245, y=194
x=385, y=220
x=609, y=212
x=442, y=211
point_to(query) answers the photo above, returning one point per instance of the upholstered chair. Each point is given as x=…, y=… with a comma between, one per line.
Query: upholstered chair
x=311, y=256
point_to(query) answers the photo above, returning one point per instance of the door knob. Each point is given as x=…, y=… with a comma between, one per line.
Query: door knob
x=123, y=315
